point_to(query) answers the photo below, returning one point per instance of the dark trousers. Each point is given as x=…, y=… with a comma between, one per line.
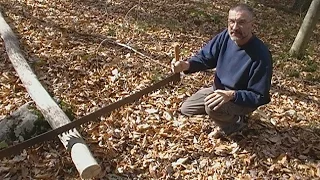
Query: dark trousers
x=224, y=117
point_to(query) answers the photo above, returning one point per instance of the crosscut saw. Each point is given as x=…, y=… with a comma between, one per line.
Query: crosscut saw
x=52, y=134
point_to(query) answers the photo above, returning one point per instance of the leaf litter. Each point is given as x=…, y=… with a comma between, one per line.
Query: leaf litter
x=68, y=44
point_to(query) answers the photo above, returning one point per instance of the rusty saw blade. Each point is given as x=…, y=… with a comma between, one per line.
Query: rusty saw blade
x=52, y=134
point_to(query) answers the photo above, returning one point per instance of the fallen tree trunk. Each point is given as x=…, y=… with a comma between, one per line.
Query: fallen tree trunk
x=72, y=140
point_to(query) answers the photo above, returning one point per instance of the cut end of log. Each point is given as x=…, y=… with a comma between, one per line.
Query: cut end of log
x=80, y=153
x=87, y=166
x=91, y=172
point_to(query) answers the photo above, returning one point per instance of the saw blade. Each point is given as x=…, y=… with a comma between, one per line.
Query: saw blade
x=52, y=134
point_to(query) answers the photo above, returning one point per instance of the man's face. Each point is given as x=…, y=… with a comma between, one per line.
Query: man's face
x=240, y=26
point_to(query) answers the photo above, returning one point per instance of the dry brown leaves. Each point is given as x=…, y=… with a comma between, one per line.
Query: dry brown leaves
x=149, y=139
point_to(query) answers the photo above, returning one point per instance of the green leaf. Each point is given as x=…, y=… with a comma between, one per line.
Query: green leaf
x=3, y=144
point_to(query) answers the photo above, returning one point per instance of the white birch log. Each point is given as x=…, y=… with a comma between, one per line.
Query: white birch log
x=72, y=140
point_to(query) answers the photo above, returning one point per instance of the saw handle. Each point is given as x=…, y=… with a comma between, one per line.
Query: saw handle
x=176, y=52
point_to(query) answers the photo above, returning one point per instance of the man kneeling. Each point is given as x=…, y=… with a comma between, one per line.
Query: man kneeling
x=243, y=74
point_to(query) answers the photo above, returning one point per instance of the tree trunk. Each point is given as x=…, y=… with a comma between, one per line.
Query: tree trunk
x=72, y=140
x=304, y=34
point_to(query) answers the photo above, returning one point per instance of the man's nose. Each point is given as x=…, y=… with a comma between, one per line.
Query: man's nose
x=235, y=26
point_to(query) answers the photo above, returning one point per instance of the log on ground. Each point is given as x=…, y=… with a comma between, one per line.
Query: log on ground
x=80, y=153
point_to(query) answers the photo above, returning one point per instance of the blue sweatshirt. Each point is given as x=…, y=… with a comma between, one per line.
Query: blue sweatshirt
x=246, y=69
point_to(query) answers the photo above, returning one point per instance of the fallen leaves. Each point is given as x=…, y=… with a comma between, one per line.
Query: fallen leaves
x=149, y=138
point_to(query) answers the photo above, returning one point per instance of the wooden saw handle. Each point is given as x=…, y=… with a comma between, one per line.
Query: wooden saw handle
x=176, y=52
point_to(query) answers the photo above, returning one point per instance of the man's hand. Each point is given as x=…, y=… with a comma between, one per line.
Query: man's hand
x=218, y=98
x=179, y=66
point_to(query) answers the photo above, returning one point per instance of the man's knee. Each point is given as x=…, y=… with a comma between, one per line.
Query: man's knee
x=208, y=110
x=189, y=109
x=185, y=109
x=195, y=104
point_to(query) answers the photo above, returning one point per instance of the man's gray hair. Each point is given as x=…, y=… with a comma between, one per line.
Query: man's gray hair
x=244, y=7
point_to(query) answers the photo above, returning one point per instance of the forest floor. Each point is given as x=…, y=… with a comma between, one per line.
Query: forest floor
x=67, y=43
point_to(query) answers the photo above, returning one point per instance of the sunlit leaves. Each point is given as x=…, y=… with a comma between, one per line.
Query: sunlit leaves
x=150, y=138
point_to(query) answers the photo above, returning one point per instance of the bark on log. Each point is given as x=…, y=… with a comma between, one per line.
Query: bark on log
x=72, y=140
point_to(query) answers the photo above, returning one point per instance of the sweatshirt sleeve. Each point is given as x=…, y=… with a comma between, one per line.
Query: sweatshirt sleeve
x=259, y=84
x=207, y=57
